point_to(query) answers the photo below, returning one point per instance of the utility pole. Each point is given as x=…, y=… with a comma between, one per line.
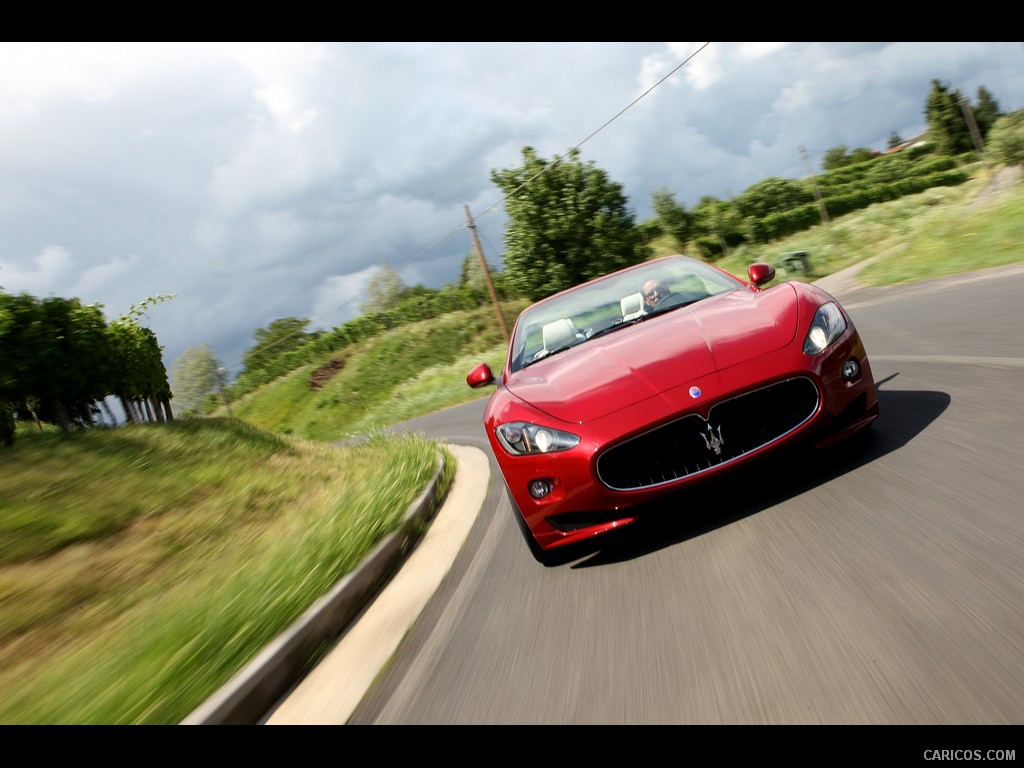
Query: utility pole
x=972, y=126
x=822, y=210
x=487, y=275
x=220, y=380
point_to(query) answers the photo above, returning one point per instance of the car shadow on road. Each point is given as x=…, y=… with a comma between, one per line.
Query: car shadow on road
x=761, y=485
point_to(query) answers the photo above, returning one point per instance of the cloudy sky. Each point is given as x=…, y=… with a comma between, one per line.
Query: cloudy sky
x=256, y=181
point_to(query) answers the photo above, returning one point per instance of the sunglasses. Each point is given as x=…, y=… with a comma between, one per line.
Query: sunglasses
x=656, y=293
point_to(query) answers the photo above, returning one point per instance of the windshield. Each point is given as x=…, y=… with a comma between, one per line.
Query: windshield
x=611, y=303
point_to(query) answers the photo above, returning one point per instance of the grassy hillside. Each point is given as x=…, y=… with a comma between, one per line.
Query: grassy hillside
x=406, y=372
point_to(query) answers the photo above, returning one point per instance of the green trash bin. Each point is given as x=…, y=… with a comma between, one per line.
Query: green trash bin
x=797, y=261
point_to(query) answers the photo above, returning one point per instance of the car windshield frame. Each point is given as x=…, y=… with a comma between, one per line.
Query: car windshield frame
x=599, y=307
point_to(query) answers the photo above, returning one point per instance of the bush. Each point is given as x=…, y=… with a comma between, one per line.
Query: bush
x=1006, y=139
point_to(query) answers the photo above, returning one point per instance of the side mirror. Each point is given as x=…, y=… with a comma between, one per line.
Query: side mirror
x=480, y=376
x=760, y=274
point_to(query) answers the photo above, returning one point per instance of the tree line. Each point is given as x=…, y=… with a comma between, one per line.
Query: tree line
x=60, y=360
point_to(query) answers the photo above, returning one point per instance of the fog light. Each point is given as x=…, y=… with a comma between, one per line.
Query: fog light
x=851, y=369
x=540, y=488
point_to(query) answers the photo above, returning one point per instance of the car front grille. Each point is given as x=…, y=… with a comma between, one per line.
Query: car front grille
x=690, y=445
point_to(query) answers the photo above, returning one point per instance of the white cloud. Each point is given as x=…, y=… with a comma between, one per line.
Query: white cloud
x=38, y=276
x=339, y=297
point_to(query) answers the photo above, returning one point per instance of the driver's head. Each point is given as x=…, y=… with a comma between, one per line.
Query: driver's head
x=653, y=291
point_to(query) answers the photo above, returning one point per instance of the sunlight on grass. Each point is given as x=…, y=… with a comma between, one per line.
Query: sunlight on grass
x=886, y=229
x=980, y=235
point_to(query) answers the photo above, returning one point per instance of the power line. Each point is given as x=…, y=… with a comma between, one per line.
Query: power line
x=620, y=113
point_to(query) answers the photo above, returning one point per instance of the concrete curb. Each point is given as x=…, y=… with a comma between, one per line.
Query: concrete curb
x=252, y=692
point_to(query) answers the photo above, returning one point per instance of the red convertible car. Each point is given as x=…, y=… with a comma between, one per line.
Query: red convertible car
x=639, y=383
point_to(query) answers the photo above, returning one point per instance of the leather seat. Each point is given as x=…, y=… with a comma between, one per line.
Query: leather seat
x=559, y=334
x=632, y=306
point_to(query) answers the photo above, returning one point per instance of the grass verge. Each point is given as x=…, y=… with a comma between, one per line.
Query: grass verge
x=143, y=566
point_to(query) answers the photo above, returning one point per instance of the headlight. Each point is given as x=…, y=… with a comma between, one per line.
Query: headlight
x=828, y=325
x=520, y=438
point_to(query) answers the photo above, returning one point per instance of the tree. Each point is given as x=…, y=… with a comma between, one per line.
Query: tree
x=717, y=224
x=986, y=111
x=568, y=223
x=894, y=140
x=6, y=407
x=284, y=335
x=140, y=379
x=675, y=220
x=76, y=370
x=20, y=328
x=946, y=124
x=835, y=158
x=195, y=374
x=471, y=273
x=772, y=195
x=861, y=155
x=1006, y=139
x=384, y=291
x=61, y=360
x=474, y=286
x=841, y=156
x=56, y=359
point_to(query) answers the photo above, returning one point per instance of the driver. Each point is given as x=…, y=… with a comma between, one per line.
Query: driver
x=653, y=291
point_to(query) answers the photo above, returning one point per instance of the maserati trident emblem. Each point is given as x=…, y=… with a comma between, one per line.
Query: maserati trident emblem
x=695, y=392
x=712, y=441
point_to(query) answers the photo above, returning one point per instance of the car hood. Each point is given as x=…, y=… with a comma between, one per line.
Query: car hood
x=680, y=347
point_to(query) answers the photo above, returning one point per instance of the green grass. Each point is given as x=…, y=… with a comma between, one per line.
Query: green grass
x=141, y=567
x=942, y=231
x=403, y=373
